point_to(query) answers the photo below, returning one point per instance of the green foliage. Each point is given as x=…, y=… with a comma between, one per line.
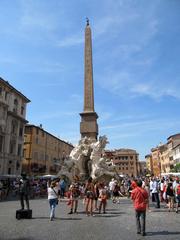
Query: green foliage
x=176, y=168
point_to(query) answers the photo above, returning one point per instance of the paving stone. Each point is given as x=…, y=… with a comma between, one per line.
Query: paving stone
x=117, y=223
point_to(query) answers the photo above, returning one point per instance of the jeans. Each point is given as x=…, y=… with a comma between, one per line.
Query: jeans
x=141, y=221
x=62, y=191
x=156, y=197
x=22, y=197
x=52, y=203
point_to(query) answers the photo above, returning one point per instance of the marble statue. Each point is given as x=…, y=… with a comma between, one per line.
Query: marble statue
x=88, y=159
x=100, y=165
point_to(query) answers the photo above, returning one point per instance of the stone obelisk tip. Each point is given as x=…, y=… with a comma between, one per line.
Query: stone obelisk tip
x=87, y=21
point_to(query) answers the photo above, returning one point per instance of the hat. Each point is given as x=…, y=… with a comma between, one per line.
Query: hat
x=53, y=184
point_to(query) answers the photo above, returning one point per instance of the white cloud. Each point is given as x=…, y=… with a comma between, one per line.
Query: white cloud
x=71, y=41
x=128, y=83
x=142, y=126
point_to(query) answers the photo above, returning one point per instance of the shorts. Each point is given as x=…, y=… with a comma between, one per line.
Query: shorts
x=90, y=194
x=178, y=199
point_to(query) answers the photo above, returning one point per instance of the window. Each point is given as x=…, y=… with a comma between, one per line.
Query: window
x=35, y=156
x=6, y=95
x=15, y=102
x=13, y=127
x=42, y=156
x=22, y=110
x=12, y=147
x=15, y=105
x=37, y=140
x=1, y=90
x=37, y=131
x=1, y=143
x=19, y=149
x=3, y=113
x=24, y=153
x=21, y=131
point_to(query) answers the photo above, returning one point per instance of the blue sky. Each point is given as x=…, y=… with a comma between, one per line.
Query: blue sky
x=136, y=61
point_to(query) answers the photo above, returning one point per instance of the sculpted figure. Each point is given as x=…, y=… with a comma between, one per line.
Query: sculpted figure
x=86, y=160
x=66, y=168
x=100, y=166
x=79, y=156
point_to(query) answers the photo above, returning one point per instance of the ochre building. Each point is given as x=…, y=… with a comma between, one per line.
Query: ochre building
x=125, y=160
x=43, y=152
x=164, y=157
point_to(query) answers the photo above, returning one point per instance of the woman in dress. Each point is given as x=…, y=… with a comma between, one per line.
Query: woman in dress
x=89, y=194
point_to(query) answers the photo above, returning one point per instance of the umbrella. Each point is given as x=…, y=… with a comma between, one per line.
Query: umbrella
x=48, y=176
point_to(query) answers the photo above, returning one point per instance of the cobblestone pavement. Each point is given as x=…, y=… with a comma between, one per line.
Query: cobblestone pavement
x=117, y=223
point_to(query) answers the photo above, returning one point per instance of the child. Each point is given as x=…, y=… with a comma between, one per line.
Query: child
x=102, y=198
x=74, y=196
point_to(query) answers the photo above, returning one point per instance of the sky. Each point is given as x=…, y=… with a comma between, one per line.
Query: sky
x=136, y=66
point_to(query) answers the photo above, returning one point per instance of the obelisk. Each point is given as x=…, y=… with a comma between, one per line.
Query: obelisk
x=88, y=124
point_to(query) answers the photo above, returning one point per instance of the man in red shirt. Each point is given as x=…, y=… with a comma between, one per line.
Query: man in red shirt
x=140, y=199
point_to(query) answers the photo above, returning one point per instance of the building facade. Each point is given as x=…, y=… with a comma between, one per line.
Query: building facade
x=165, y=156
x=172, y=143
x=176, y=154
x=149, y=165
x=156, y=164
x=12, y=123
x=142, y=169
x=43, y=152
x=125, y=160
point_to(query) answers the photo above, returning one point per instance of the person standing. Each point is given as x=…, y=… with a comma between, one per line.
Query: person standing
x=89, y=194
x=155, y=192
x=177, y=194
x=24, y=190
x=102, y=198
x=74, y=196
x=1, y=190
x=140, y=199
x=62, y=186
x=111, y=187
x=53, y=198
x=170, y=196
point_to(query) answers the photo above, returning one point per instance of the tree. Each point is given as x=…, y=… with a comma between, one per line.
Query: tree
x=176, y=168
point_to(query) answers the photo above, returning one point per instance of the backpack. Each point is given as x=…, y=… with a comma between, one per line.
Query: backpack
x=178, y=189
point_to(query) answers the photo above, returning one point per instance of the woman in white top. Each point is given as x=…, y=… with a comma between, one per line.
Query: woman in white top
x=53, y=198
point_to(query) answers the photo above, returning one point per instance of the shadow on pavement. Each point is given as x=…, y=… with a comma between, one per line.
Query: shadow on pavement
x=162, y=233
x=115, y=213
x=59, y=218
x=107, y=216
x=112, y=209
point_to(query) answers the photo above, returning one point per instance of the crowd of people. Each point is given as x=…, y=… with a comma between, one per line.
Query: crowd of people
x=95, y=194
x=158, y=190
x=9, y=188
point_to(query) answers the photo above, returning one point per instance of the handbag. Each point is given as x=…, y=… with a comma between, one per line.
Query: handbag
x=57, y=200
